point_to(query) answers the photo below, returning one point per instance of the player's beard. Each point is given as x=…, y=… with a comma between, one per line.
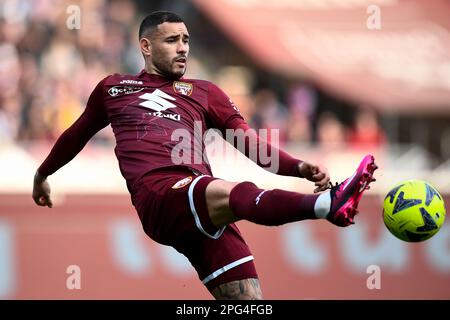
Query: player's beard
x=166, y=69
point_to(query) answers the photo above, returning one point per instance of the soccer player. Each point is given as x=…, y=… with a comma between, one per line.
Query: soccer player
x=180, y=203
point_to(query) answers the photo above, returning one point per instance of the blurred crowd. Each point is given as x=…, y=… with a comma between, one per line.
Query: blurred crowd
x=48, y=70
x=301, y=113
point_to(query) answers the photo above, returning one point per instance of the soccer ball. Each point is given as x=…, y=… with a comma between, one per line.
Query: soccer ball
x=413, y=211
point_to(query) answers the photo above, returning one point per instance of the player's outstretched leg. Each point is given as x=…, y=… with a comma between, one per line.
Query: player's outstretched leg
x=229, y=202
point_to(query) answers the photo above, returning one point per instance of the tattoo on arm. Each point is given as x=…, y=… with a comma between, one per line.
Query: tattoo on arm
x=246, y=289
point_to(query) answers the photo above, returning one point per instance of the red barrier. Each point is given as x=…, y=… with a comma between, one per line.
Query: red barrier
x=101, y=234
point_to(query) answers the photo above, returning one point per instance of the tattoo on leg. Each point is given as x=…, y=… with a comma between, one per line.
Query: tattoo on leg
x=246, y=289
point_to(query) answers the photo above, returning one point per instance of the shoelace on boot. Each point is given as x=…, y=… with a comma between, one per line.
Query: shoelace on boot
x=333, y=188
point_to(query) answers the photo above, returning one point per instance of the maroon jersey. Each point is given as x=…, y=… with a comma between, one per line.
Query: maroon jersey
x=155, y=121
x=145, y=110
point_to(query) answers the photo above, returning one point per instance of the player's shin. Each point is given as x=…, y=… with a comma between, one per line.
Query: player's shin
x=270, y=207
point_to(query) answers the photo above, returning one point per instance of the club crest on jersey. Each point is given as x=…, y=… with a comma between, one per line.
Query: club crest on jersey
x=183, y=88
x=182, y=183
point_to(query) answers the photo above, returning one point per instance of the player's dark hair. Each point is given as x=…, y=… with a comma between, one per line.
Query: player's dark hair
x=156, y=18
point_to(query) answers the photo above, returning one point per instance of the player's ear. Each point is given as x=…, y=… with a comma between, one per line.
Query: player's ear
x=146, y=46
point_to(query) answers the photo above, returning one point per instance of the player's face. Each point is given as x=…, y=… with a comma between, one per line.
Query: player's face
x=170, y=49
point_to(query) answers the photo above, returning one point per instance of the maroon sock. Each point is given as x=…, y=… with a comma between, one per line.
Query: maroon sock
x=270, y=207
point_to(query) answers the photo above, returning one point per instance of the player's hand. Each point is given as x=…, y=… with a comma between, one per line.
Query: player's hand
x=41, y=191
x=315, y=173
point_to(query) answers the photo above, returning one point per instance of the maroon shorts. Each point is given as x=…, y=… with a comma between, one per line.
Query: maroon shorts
x=172, y=207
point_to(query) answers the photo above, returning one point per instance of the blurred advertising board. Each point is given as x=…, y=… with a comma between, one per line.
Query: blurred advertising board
x=93, y=247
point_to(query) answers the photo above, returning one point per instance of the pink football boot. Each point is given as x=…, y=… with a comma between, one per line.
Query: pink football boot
x=345, y=196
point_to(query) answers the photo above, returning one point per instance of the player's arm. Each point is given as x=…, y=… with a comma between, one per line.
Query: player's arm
x=253, y=144
x=226, y=116
x=70, y=143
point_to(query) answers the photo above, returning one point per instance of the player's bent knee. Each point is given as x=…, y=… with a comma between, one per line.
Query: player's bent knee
x=246, y=289
x=217, y=200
